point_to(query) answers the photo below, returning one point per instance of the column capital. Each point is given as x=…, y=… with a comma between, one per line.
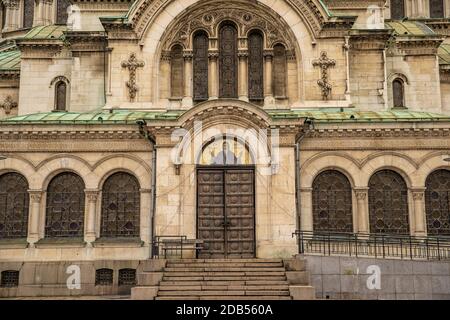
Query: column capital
x=418, y=195
x=243, y=53
x=11, y=4
x=166, y=55
x=188, y=55
x=213, y=54
x=92, y=194
x=35, y=195
x=268, y=53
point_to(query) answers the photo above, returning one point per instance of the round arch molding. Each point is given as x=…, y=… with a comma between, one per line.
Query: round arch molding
x=144, y=12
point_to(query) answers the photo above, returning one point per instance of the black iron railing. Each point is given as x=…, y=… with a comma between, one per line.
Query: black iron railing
x=172, y=246
x=374, y=245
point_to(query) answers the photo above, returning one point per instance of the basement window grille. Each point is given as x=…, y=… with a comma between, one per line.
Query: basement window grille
x=9, y=279
x=127, y=277
x=103, y=277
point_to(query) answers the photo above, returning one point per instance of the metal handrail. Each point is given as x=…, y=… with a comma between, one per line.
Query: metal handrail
x=373, y=245
x=173, y=244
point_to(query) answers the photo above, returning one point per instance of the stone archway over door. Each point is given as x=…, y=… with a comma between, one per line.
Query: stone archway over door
x=226, y=211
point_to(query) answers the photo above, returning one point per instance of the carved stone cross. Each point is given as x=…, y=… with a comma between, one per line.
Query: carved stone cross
x=324, y=63
x=132, y=64
x=8, y=104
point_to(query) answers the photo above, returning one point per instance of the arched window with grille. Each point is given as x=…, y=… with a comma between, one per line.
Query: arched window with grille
x=14, y=201
x=176, y=73
x=279, y=71
x=201, y=47
x=437, y=202
x=120, y=206
x=255, y=66
x=332, y=202
x=228, y=56
x=61, y=11
x=28, y=13
x=388, y=203
x=437, y=9
x=65, y=206
x=61, y=96
x=397, y=9
x=398, y=93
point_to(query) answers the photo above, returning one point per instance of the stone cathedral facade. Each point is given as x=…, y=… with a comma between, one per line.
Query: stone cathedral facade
x=233, y=122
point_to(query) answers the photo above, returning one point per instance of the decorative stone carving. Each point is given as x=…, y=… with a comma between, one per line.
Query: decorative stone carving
x=361, y=195
x=132, y=64
x=8, y=105
x=246, y=16
x=11, y=4
x=324, y=63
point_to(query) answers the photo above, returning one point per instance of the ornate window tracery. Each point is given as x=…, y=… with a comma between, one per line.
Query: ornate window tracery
x=437, y=202
x=120, y=206
x=14, y=203
x=255, y=66
x=65, y=206
x=28, y=13
x=397, y=9
x=228, y=61
x=332, y=202
x=61, y=11
x=437, y=9
x=388, y=203
x=201, y=46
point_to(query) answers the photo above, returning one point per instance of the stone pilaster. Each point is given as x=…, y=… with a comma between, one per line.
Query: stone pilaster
x=188, y=72
x=145, y=221
x=243, y=75
x=34, y=215
x=91, y=200
x=362, y=211
x=268, y=81
x=213, y=75
x=12, y=16
x=418, y=195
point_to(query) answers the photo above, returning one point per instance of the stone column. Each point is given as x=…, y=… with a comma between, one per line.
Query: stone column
x=34, y=215
x=268, y=80
x=12, y=16
x=243, y=75
x=418, y=195
x=188, y=71
x=43, y=13
x=213, y=76
x=91, y=200
x=361, y=210
x=306, y=214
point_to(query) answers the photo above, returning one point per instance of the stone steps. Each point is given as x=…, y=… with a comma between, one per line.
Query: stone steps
x=212, y=287
x=225, y=279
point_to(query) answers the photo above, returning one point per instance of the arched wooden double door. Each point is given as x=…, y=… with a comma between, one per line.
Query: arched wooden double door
x=226, y=211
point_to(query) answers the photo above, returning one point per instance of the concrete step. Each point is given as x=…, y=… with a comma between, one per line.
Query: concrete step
x=223, y=269
x=211, y=287
x=266, y=298
x=223, y=278
x=200, y=293
x=223, y=283
x=224, y=273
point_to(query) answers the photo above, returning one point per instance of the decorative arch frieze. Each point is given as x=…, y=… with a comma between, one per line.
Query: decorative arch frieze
x=246, y=16
x=313, y=13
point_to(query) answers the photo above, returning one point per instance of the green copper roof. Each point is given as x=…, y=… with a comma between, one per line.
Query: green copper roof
x=96, y=117
x=335, y=115
x=410, y=28
x=319, y=115
x=10, y=60
x=444, y=53
x=46, y=32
